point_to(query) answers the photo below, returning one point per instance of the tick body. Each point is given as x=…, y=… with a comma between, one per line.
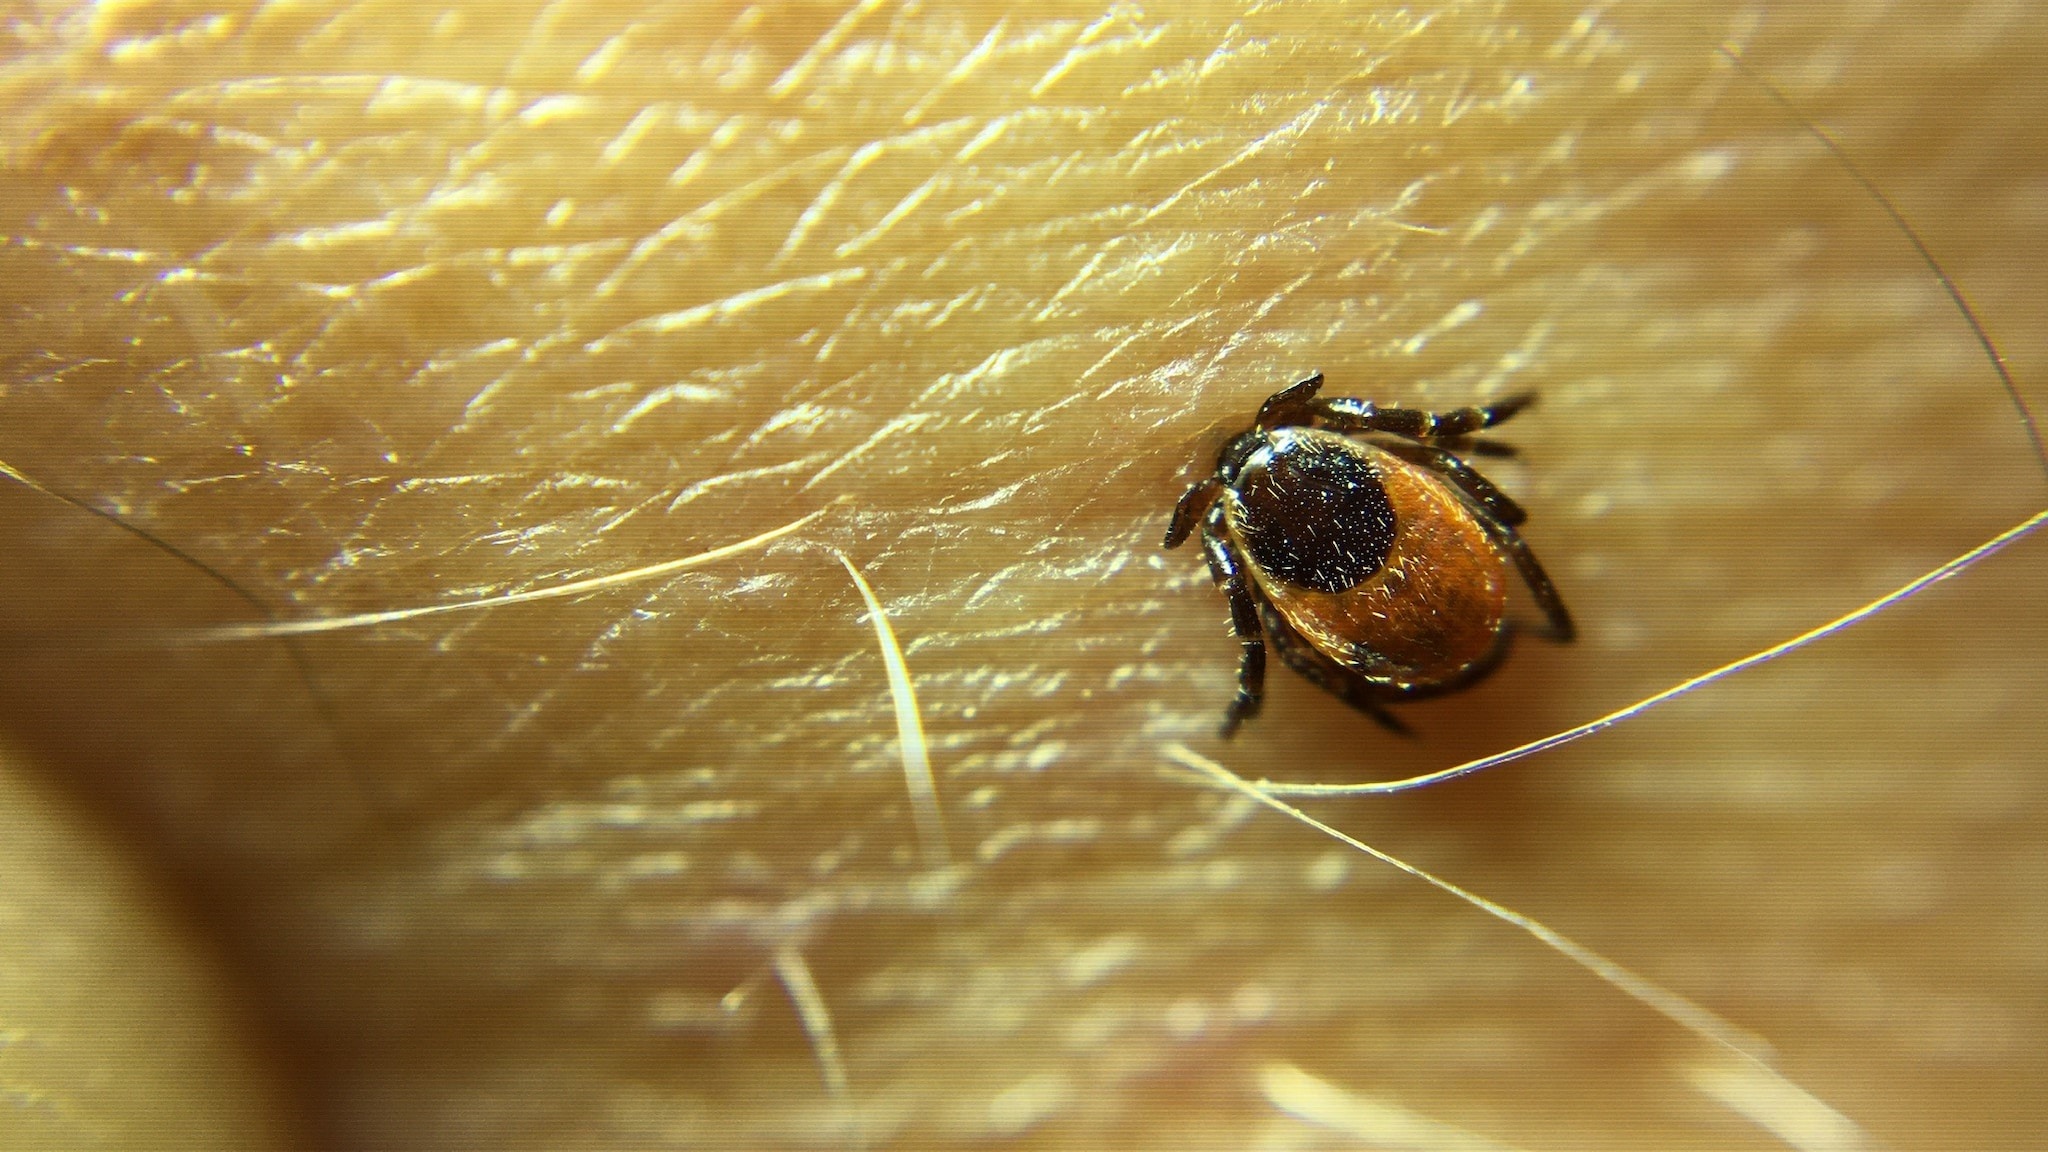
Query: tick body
x=1361, y=546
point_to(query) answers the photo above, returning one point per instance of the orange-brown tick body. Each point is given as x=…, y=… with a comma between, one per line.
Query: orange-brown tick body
x=1369, y=554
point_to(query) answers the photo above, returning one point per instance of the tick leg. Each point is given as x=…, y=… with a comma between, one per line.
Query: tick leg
x=1561, y=627
x=1293, y=404
x=1193, y=503
x=1244, y=623
x=1463, y=475
x=1327, y=674
x=1345, y=414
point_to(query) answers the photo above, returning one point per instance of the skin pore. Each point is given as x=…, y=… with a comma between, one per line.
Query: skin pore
x=372, y=306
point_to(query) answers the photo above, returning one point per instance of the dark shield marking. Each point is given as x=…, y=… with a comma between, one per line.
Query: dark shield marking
x=1314, y=514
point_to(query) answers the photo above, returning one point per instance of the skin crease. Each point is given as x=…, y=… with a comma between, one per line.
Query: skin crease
x=357, y=306
x=118, y=1031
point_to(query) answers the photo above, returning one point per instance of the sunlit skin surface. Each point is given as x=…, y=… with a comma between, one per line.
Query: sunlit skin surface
x=382, y=305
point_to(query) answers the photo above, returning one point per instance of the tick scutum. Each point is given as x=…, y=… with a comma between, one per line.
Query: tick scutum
x=1312, y=512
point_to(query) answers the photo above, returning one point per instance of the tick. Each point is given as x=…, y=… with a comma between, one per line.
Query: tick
x=1357, y=541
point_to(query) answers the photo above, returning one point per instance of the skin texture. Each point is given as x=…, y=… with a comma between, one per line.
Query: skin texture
x=379, y=305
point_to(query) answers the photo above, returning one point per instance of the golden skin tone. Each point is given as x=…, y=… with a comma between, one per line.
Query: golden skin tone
x=445, y=323
x=118, y=1030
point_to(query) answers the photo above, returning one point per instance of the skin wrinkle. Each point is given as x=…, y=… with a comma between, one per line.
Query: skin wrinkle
x=863, y=157
x=1754, y=415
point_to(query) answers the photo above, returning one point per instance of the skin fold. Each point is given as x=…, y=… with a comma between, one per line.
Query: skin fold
x=368, y=306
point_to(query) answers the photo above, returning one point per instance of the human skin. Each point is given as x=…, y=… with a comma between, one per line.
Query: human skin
x=373, y=306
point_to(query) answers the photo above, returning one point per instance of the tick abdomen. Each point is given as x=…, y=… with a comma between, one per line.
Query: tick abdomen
x=1376, y=562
